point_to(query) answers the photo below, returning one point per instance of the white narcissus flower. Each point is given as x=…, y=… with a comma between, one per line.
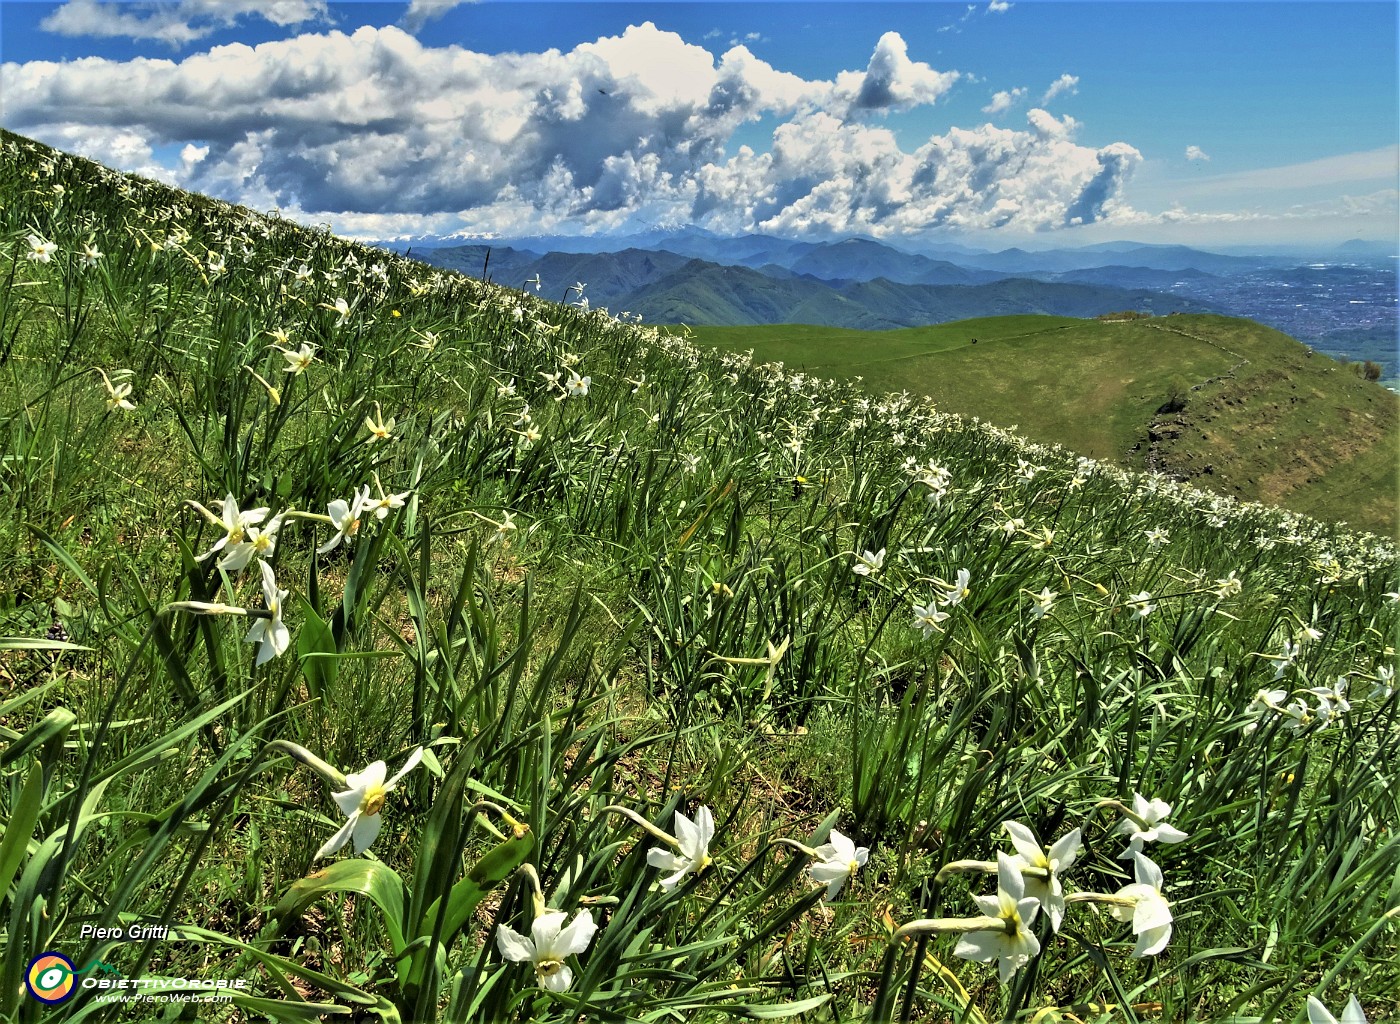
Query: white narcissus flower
x=548, y=946
x=1142, y=602
x=959, y=591
x=840, y=860
x=118, y=395
x=382, y=429
x=1013, y=526
x=1331, y=700
x=693, y=842
x=40, y=251
x=271, y=633
x=382, y=505
x=1384, y=683
x=257, y=543
x=868, y=563
x=345, y=517
x=1228, y=586
x=1150, y=913
x=234, y=521
x=298, y=361
x=1298, y=714
x=576, y=386
x=1282, y=661
x=362, y=801
x=1352, y=1013
x=1029, y=853
x=1042, y=603
x=1154, y=812
x=929, y=618
x=1265, y=700
x=1013, y=945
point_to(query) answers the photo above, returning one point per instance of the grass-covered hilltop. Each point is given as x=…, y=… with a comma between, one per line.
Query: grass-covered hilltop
x=417, y=650
x=1225, y=404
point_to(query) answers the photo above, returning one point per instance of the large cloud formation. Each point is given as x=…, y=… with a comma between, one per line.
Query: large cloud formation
x=379, y=133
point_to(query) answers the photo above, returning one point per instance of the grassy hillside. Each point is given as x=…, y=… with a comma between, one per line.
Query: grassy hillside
x=418, y=650
x=1264, y=418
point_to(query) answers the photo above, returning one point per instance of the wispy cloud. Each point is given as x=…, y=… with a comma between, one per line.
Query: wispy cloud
x=1368, y=166
x=420, y=12
x=175, y=24
x=1060, y=86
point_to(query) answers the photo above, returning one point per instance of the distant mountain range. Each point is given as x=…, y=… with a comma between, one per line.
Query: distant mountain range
x=856, y=284
x=1340, y=300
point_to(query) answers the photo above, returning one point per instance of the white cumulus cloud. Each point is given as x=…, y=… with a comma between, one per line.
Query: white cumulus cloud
x=1004, y=100
x=378, y=133
x=1196, y=153
x=891, y=81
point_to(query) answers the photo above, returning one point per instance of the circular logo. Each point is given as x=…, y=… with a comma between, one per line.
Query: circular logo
x=50, y=978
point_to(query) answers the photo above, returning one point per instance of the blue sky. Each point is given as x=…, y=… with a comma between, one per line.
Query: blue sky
x=1026, y=122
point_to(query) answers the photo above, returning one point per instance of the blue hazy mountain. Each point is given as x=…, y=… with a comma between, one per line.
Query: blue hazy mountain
x=1340, y=299
x=666, y=287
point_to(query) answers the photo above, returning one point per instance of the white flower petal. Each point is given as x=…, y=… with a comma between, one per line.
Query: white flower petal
x=1152, y=941
x=705, y=825
x=842, y=848
x=1352, y=1012
x=545, y=930
x=666, y=860
x=1147, y=873
x=1011, y=886
x=366, y=831
x=513, y=945
x=558, y=981
x=574, y=939
x=373, y=775
x=1169, y=833
x=1025, y=842
x=338, y=840
x=408, y=766
x=687, y=833
x=349, y=800
x=1066, y=850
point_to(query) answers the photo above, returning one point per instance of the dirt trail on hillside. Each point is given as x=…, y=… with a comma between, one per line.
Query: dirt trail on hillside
x=1168, y=427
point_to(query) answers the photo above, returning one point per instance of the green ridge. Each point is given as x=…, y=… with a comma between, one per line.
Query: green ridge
x=1265, y=418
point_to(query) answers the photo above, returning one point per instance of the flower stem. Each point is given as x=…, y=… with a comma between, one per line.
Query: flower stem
x=637, y=819
x=955, y=926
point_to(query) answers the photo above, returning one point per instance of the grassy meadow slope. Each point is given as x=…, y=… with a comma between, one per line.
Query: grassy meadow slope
x=418, y=650
x=1264, y=418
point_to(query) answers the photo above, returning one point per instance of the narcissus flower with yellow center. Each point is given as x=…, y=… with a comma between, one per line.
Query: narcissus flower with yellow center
x=549, y=945
x=362, y=802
